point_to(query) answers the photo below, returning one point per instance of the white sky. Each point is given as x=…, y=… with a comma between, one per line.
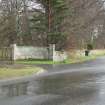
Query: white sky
x=34, y=5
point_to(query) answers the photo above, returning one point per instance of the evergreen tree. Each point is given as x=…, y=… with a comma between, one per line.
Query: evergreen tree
x=51, y=20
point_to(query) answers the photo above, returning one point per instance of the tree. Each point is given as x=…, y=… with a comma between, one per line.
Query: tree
x=84, y=16
x=70, y=22
x=8, y=21
x=14, y=26
x=51, y=21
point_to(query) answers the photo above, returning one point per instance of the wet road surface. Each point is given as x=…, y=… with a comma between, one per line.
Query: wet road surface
x=77, y=84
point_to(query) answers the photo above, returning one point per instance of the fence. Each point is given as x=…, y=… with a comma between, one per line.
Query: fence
x=6, y=55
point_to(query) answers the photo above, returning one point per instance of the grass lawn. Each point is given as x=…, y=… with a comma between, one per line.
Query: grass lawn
x=80, y=59
x=34, y=61
x=9, y=72
x=68, y=61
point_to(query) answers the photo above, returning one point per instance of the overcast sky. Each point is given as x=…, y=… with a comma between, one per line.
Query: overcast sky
x=34, y=5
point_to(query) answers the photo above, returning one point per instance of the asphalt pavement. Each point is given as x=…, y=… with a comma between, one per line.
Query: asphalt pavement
x=74, y=84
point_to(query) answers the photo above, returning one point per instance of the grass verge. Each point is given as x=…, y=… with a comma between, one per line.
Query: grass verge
x=33, y=61
x=75, y=59
x=80, y=59
x=6, y=73
x=68, y=61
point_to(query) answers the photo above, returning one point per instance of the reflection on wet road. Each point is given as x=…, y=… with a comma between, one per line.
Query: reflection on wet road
x=74, y=89
x=69, y=88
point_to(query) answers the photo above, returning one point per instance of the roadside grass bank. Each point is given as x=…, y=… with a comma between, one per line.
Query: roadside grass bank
x=73, y=58
x=33, y=61
x=15, y=72
x=67, y=61
x=78, y=58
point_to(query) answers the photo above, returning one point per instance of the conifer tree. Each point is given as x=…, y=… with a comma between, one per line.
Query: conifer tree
x=51, y=21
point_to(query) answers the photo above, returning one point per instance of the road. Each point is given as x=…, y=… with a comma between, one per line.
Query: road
x=76, y=84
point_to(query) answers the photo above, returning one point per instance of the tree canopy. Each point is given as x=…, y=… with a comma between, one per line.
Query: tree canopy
x=73, y=23
x=52, y=21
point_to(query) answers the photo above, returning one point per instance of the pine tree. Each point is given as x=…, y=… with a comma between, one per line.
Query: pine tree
x=52, y=20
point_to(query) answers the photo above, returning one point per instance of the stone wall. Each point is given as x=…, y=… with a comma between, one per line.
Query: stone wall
x=26, y=52
x=59, y=56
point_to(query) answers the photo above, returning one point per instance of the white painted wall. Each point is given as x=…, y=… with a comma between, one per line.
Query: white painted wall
x=26, y=52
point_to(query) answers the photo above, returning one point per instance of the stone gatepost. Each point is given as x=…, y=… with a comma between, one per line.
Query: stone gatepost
x=13, y=47
x=51, y=50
